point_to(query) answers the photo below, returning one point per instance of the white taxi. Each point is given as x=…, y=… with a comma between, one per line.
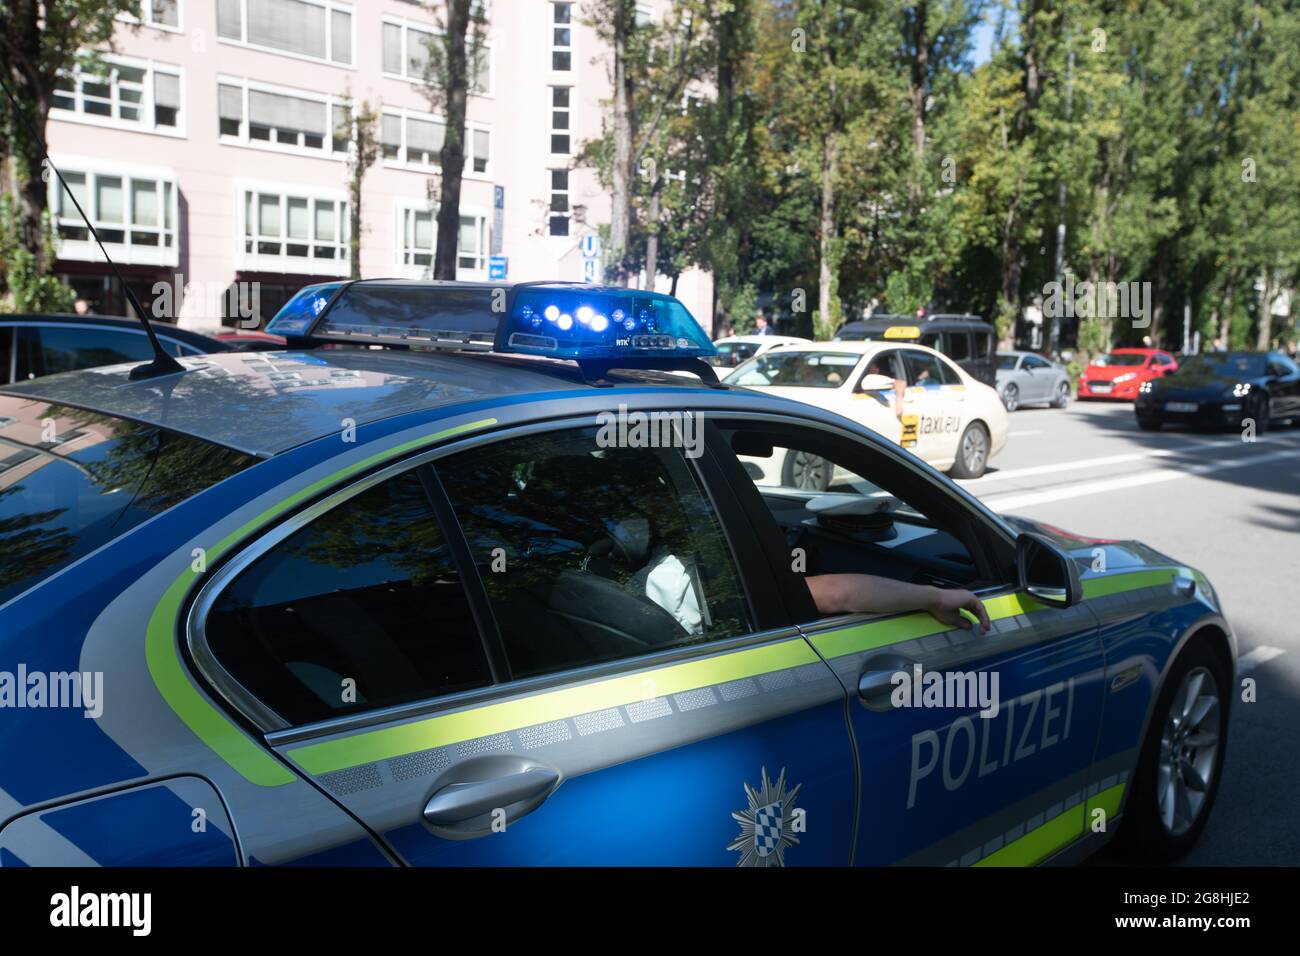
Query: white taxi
x=908, y=393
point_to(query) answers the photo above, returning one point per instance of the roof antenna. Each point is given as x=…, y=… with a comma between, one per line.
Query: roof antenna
x=162, y=364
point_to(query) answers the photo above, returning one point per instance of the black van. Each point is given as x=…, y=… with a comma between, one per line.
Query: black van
x=966, y=339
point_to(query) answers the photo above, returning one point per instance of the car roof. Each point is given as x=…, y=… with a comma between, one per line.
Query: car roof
x=264, y=403
x=878, y=321
x=187, y=336
x=762, y=339
x=863, y=348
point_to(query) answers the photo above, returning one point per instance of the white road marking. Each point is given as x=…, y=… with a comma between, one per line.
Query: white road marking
x=1081, y=463
x=1259, y=655
x=1152, y=477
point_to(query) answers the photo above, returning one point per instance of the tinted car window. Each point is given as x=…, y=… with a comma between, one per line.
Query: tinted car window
x=1007, y=362
x=6, y=354
x=366, y=593
x=983, y=344
x=1033, y=361
x=958, y=346
x=64, y=349
x=593, y=553
x=72, y=480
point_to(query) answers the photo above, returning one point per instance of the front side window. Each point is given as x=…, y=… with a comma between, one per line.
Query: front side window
x=592, y=552
x=852, y=511
x=363, y=608
x=925, y=369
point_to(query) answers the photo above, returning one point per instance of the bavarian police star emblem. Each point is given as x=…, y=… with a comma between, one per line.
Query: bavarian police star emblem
x=764, y=827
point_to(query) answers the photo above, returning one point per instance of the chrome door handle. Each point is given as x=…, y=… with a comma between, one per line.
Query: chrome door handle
x=459, y=802
x=877, y=679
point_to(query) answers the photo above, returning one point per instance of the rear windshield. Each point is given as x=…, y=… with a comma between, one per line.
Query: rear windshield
x=72, y=480
x=1247, y=365
x=813, y=369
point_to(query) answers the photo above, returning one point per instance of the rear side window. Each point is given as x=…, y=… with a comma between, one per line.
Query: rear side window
x=65, y=349
x=72, y=480
x=362, y=608
x=983, y=344
x=591, y=553
x=958, y=346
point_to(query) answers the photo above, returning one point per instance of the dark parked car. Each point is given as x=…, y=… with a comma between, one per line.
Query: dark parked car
x=966, y=339
x=1222, y=389
x=35, y=345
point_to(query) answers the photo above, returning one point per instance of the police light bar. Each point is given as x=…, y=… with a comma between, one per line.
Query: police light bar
x=603, y=325
x=600, y=323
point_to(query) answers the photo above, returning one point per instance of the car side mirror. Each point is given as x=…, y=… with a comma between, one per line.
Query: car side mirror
x=1047, y=573
x=875, y=383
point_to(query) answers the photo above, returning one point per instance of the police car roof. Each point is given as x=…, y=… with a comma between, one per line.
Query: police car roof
x=264, y=403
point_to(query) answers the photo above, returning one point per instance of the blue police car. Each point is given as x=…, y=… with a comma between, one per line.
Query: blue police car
x=499, y=579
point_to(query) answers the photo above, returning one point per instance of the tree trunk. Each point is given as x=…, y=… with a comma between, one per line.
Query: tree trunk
x=830, y=163
x=920, y=79
x=1264, y=337
x=452, y=157
x=652, y=237
x=621, y=175
x=1225, y=323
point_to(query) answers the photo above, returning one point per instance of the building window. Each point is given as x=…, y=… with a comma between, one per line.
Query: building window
x=416, y=139
x=417, y=239
x=134, y=212
x=288, y=232
x=560, y=211
x=254, y=114
x=136, y=93
x=406, y=55
x=318, y=29
x=561, y=115
x=163, y=14
x=562, y=37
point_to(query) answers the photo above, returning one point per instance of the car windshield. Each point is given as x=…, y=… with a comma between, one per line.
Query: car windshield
x=1008, y=361
x=733, y=353
x=1239, y=365
x=810, y=369
x=1123, y=358
x=73, y=480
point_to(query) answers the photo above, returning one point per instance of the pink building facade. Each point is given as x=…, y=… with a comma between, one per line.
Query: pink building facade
x=205, y=152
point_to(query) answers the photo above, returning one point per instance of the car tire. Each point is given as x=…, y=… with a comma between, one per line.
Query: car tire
x=1163, y=815
x=1011, y=398
x=972, y=452
x=1062, y=398
x=807, y=471
x=1148, y=424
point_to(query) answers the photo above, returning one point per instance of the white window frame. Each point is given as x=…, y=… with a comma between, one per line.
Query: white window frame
x=327, y=150
x=410, y=270
x=255, y=261
x=415, y=26
x=551, y=193
x=146, y=8
x=127, y=251
x=551, y=109
x=571, y=49
x=146, y=104
x=330, y=6
x=402, y=162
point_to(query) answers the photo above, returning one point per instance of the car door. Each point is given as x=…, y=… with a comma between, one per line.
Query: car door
x=1039, y=378
x=544, y=650
x=1001, y=776
x=936, y=397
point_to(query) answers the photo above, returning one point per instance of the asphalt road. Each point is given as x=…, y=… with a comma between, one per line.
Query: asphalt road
x=1223, y=505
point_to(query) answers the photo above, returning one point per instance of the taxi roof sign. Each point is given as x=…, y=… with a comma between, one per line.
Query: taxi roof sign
x=903, y=332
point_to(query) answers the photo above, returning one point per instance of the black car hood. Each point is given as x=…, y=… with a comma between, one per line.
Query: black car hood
x=1200, y=386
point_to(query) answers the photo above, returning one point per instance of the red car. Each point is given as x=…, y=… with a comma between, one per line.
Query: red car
x=1120, y=374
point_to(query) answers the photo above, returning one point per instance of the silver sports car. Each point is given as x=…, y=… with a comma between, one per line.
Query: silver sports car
x=1025, y=378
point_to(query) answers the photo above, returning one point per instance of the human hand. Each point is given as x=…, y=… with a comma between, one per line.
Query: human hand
x=947, y=604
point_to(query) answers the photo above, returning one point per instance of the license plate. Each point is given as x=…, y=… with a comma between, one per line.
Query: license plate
x=1101, y=389
x=1181, y=406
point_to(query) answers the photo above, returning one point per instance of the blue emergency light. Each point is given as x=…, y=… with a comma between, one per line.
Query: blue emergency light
x=602, y=326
